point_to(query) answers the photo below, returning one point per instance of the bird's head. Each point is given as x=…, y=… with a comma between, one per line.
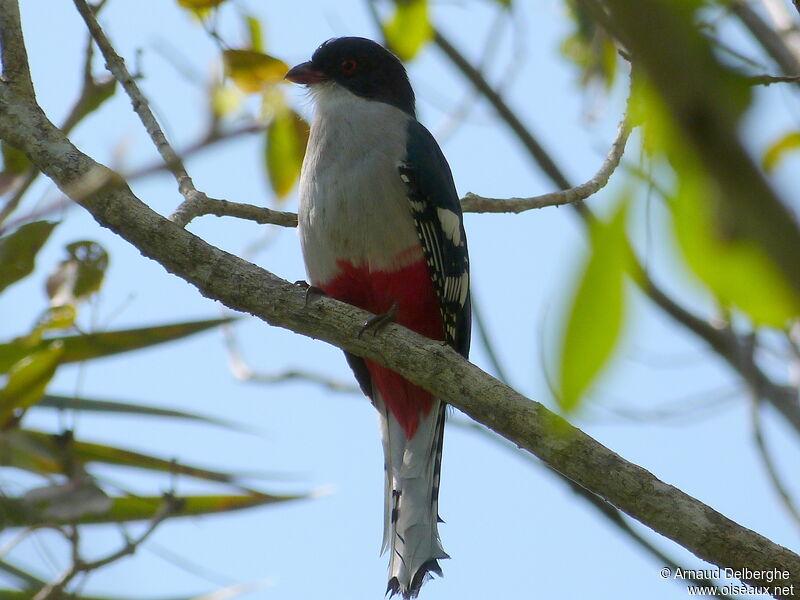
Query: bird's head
x=361, y=66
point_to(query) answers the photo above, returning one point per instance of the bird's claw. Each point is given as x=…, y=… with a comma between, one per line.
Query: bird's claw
x=378, y=322
x=311, y=290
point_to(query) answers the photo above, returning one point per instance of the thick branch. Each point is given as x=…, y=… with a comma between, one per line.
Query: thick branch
x=12, y=50
x=436, y=367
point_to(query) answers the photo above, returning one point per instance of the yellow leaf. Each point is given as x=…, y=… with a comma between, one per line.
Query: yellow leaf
x=777, y=151
x=409, y=29
x=200, y=8
x=199, y=4
x=251, y=70
x=287, y=136
x=254, y=31
x=225, y=100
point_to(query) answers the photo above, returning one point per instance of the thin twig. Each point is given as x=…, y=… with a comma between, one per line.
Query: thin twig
x=116, y=64
x=769, y=464
x=770, y=79
x=479, y=204
x=224, y=208
x=80, y=566
x=242, y=371
x=767, y=37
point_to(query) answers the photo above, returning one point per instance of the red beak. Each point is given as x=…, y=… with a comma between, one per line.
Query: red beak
x=305, y=73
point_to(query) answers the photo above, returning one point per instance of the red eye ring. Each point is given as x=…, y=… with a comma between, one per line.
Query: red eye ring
x=348, y=66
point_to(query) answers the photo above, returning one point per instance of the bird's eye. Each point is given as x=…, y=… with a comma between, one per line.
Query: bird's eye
x=348, y=66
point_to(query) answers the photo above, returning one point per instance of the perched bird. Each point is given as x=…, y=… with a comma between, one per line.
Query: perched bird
x=381, y=228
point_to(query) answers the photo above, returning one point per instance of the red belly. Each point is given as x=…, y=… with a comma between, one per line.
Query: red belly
x=412, y=290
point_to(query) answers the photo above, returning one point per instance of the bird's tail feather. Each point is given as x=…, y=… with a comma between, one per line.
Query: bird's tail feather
x=412, y=499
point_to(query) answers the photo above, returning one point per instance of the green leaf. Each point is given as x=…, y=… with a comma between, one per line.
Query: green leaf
x=48, y=453
x=126, y=408
x=409, y=29
x=254, y=33
x=251, y=71
x=18, y=251
x=28, y=379
x=287, y=136
x=778, y=150
x=14, y=161
x=18, y=512
x=27, y=595
x=736, y=269
x=100, y=92
x=96, y=345
x=597, y=309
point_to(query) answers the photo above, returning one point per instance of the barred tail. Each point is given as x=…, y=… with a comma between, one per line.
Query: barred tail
x=412, y=499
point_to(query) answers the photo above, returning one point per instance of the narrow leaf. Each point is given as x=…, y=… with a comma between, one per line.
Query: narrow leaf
x=98, y=93
x=597, y=310
x=96, y=345
x=254, y=33
x=778, y=150
x=18, y=251
x=287, y=136
x=127, y=408
x=28, y=594
x=251, y=71
x=46, y=453
x=28, y=379
x=18, y=512
x=409, y=29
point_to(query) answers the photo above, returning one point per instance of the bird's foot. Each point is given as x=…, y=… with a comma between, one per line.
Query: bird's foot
x=311, y=290
x=378, y=322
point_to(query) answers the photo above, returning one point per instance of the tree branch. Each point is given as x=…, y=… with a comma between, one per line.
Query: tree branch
x=16, y=72
x=766, y=36
x=245, y=287
x=478, y=204
x=116, y=65
x=728, y=346
x=55, y=590
x=770, y=79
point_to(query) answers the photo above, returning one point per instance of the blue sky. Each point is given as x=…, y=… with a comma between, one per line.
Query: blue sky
x=512, y=529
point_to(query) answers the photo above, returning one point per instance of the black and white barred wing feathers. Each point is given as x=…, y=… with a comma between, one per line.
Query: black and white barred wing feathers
x=439, y=221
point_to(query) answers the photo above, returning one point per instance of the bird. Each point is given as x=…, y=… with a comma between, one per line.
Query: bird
x=381, y=228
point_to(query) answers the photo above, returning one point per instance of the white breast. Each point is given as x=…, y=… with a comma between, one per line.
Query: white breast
x=353, y=205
